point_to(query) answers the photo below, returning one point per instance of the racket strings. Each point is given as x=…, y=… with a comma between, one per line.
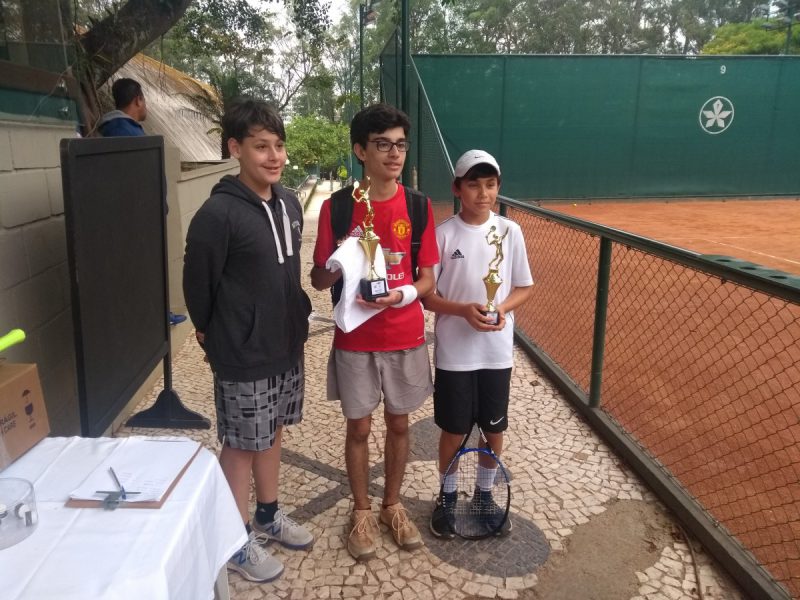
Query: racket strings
x=479, y=504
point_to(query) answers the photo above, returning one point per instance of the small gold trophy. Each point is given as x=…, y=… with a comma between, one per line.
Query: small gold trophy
x=373, y=285
x=492, y=281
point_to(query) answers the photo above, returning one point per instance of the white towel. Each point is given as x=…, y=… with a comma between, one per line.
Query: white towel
x=351, y=260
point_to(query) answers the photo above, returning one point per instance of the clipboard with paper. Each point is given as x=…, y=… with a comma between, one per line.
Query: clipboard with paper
x=148, y=468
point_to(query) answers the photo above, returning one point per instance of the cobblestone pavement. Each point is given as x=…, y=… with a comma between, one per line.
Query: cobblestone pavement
x=563, y=475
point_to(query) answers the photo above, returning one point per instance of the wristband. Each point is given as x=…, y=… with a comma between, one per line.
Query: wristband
x=409, y=293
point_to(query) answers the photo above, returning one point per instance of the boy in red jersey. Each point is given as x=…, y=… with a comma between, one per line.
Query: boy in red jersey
x=385, y=357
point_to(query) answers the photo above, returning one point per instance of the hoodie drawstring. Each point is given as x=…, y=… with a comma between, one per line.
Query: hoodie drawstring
x=287, y=230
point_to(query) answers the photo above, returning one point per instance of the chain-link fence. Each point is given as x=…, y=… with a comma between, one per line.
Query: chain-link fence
x=690, y=368
x=701, y=373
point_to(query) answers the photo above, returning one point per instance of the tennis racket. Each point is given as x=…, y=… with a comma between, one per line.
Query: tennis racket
x=483, y=491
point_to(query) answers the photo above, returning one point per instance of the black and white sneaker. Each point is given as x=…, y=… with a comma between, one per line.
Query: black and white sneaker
x=488, y=512
x=442, y=517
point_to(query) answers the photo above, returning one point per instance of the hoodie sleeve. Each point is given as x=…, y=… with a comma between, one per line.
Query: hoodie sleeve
x=203, y=262
x=121, y=128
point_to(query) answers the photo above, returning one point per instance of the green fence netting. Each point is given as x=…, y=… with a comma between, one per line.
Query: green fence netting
x=622, y=126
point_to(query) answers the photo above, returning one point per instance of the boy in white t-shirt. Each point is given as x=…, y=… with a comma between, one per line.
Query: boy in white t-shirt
x=473, y=355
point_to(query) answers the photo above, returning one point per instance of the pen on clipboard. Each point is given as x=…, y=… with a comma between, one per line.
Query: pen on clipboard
x=122, y=493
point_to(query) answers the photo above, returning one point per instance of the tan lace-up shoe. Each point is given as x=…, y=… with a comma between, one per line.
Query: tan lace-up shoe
x=405, y=533
x=361, y=541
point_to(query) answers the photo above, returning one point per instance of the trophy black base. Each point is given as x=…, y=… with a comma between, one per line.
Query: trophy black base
x=493, y=315
x=372, y=289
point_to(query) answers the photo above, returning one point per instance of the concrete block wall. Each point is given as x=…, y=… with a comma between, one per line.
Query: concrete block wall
x=34, y=275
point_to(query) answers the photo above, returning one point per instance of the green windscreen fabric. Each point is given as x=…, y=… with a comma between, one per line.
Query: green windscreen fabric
x=27, y=105
x=428, y=161
x=611, y=126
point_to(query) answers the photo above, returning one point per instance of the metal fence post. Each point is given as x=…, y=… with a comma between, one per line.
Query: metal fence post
x=600, y=311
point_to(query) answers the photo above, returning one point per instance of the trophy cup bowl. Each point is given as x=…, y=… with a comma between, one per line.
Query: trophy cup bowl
x=492, y=282
x=373, y=286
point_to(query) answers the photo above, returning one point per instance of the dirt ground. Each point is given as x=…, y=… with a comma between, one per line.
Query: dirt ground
x=629, y=537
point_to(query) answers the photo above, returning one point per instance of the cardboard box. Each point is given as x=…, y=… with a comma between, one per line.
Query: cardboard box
x=23, y=416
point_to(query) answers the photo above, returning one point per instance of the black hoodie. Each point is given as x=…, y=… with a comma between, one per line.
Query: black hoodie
x=241, y=281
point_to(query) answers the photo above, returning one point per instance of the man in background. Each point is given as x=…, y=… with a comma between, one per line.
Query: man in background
x=131, y=110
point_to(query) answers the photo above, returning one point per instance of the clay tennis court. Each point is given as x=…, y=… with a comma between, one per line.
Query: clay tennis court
x=765, y=232
x=703, y=373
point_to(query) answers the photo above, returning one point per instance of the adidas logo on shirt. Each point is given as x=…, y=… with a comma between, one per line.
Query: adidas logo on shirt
x=457, y=254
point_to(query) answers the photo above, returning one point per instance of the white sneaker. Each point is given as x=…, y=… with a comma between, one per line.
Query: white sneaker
x=285, y=531
x=254, y=563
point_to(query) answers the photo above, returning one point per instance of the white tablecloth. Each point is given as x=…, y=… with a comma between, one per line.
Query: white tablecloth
x=171, y=553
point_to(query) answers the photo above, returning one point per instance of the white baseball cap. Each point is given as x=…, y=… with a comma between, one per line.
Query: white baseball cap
x=470, y=158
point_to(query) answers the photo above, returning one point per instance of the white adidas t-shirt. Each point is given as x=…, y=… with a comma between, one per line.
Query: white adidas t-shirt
x=465, y=257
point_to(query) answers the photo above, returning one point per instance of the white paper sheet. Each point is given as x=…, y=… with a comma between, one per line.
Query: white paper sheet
x=353, y=263
x=145, y=465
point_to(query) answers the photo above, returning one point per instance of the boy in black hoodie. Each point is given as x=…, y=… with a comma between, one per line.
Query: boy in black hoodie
x=241, y=281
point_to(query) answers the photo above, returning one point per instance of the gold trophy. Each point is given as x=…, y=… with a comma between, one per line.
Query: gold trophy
x=492, y=281
x=373, y=286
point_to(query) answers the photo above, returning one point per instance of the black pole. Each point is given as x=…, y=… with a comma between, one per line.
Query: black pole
x=361, y=53
x=405, y=53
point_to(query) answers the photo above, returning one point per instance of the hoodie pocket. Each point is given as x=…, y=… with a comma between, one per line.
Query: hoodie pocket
x=268, y=339
x=252, y=335
x=249, y=335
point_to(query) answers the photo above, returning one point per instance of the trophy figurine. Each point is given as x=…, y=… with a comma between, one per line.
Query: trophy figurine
x=493, y=281
x=373, y=285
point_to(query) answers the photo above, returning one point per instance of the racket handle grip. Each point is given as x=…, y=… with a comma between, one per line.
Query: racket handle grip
x=15, y=336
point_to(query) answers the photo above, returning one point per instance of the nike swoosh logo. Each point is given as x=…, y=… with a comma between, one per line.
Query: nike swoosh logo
x=496, y=422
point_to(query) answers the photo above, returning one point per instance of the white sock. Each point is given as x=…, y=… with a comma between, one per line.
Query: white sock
x=448, y=482
x=485, y=478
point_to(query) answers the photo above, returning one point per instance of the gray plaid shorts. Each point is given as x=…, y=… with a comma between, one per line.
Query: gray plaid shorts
x=250, y=412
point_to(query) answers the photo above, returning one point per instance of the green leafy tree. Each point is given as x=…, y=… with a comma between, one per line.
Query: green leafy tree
x=214, y=34
x=312, y=141
x=751, y=38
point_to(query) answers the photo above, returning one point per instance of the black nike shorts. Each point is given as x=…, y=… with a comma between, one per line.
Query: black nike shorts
x=461, y=398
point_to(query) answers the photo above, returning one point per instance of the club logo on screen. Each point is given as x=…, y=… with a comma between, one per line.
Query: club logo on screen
x=716, y=115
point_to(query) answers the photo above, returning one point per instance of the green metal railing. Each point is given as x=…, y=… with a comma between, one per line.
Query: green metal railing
x=689, y=369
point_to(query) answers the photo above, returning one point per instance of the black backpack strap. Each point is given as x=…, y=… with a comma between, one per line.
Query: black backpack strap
x=341, y=212
x=417, y=206
x=341, y=217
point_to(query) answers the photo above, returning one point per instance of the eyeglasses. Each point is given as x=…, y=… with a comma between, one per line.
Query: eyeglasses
x=386, y=145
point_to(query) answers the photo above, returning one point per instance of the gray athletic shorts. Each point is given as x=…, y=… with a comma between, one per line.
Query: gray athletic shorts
x=359, y=378
x=250, y=412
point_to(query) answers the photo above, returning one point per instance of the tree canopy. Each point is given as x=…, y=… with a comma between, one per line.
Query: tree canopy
x=752, y=38
x=111, y=33
x=312, y=140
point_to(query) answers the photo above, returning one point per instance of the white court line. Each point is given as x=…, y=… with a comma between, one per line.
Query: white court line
x=794, y=262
